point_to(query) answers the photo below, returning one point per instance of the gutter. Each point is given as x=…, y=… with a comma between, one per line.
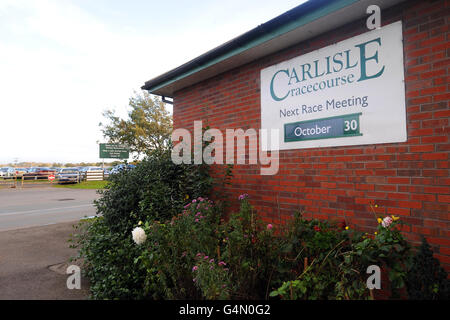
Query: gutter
x=296, y=25
x=239, y=41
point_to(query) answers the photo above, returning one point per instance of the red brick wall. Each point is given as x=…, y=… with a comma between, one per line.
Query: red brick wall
x=408, y=179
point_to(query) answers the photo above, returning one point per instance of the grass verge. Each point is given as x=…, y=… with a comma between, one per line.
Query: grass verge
x=83, y=185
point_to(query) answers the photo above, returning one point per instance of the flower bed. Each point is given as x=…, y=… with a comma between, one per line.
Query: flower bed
x=199, y=255
x=139, y=250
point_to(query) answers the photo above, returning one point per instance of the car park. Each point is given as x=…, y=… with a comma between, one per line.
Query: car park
x=20, y=172
x=106, y=172
x=89, y=171
x=68, y=175
x=82, y=171
x=38, y=173
x=120, y=167
x=94, y=173
x=7, y=172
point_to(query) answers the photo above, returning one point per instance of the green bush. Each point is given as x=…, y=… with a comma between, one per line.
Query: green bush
x=108, y=261
x=427, y=280
x=172, y=247
x=156, y=189
x=336, y=260
x=196, y=254
x=212, y=278
x=251, y=250
x=312, y=248
x=185, y=257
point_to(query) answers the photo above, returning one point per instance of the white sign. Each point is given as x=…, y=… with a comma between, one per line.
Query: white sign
x=349, y=93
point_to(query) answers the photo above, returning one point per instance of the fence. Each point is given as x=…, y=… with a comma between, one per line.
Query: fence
x=19, y=180
x=94, y=175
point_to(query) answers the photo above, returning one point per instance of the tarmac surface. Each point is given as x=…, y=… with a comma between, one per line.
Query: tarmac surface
x=35, y=225
x=33, y=262
x=38, y=206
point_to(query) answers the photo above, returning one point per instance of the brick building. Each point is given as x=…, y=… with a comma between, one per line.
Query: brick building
x=333, y=178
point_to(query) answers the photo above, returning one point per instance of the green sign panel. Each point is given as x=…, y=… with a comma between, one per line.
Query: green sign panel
x=114, y=151
x=325, y=128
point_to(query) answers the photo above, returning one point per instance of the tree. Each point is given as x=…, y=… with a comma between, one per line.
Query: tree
x=148, y=127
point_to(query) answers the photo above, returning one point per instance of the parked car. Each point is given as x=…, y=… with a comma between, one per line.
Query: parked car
x=38, y=173
x=86, y=170
x=68, y=175
x=94, y=173
x=20, y=172
x=7, y=172
x=106, y=172
x=2, y=171
x=94, y=169
x=121, y=167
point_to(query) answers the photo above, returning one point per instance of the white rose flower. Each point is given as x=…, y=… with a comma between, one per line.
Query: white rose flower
x=139, y=235
x=387, y=222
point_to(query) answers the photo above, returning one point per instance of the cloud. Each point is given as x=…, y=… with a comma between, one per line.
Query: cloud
x=61, y=65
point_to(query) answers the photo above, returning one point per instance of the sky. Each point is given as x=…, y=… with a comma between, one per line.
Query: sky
x=64, y=62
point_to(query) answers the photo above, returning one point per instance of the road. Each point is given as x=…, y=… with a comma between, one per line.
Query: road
x=35, y=224
x=33, y=264
x=21, y=208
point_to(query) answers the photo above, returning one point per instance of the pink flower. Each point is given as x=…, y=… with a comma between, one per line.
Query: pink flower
x=269, y=226
x=387, y=222
x=211, y=261
x=243, y=196
x=196, y=220
x=199, y=254
x=221, y=263
x=195, y=268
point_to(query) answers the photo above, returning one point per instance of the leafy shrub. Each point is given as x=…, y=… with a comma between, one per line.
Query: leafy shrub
x=212, y=277
x=156, y=189
x=108, y=261
x=336, y=260
x=427, y=280
x=198, y=255
x=171, y=249
x=252, y=252
x=312, y=247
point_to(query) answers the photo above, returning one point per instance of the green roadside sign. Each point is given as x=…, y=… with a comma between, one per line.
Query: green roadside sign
x=114, y=151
